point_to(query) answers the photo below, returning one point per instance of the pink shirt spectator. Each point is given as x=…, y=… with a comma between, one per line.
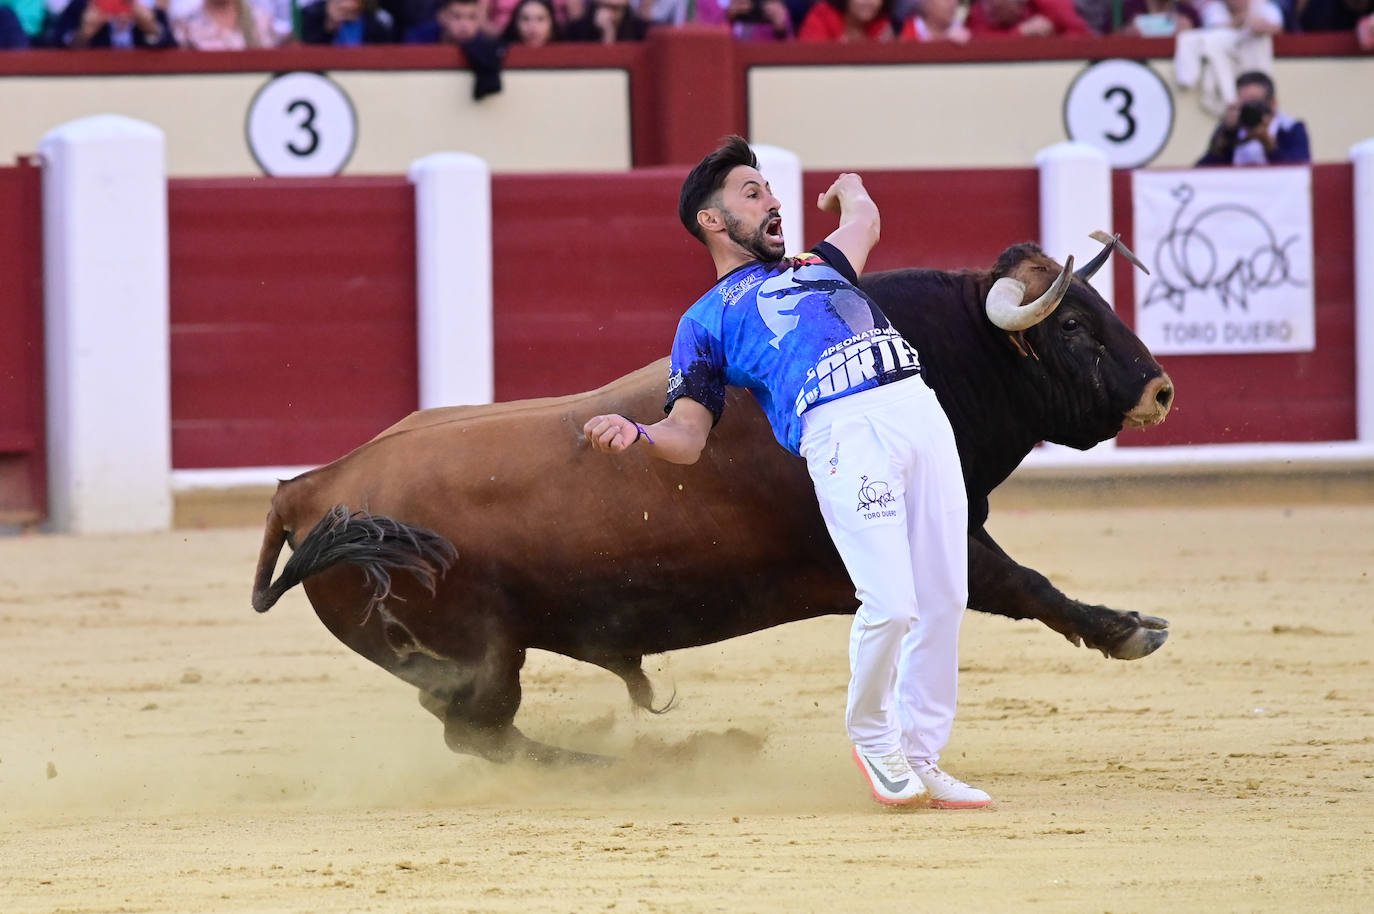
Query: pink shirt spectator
x=204, y=32
x=1025, y=18
x=826, y=23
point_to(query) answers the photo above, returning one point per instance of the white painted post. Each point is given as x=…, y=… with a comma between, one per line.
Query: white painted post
x=782, y=169
x=107, y=337
x=453, y=248
x=1362, y=157
x=1076, y=200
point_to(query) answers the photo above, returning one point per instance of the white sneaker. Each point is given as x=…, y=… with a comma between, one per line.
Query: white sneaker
x=947, y=791
x=890, y=778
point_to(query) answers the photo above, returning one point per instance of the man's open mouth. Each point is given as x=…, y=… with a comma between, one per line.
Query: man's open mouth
x=772, y=230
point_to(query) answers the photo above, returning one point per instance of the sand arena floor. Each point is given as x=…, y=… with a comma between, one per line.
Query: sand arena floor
x=164, y=749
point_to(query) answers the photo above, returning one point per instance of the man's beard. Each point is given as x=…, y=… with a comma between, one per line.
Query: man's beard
x=755, y=242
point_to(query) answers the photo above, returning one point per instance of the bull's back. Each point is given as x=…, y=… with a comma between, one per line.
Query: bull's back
x=519, y=480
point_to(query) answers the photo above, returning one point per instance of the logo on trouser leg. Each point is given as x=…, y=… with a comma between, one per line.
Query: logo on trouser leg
x=835, y=460
x=875, y=499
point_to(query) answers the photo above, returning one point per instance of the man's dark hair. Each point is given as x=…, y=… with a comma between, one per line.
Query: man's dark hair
x=1256, y=78
x=709, y=177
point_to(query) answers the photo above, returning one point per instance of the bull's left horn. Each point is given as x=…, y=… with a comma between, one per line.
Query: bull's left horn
x=1004, y=302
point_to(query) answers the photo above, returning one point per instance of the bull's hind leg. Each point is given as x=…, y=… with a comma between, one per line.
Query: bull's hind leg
x=479, y=713
x=475, y=698
x=471, y=684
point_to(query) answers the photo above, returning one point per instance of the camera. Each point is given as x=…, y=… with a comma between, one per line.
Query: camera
x=1251, y=113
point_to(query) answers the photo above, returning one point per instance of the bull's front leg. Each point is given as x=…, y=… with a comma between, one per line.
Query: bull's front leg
x=997, y=584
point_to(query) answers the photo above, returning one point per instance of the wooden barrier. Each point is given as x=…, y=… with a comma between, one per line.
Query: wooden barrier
x=23, y=471
x=292, y=317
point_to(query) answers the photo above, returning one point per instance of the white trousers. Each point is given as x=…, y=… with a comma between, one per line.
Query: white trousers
x=887, y=476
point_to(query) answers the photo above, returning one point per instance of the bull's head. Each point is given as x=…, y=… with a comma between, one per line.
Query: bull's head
x=1099, y=376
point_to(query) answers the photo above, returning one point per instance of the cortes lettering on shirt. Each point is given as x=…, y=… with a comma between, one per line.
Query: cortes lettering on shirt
x=872, y=354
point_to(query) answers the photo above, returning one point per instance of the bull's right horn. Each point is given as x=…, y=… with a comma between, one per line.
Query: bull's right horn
x=1109, y=243
x=1004, y=302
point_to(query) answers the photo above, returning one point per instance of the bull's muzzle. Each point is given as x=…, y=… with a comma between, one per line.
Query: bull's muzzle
x=1005, y=301
x=1153, y=405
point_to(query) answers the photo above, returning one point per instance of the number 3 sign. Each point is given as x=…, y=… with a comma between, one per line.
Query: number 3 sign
x=1121, y=107
x=301, y=124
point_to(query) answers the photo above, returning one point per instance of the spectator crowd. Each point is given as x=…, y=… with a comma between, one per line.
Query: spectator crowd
x=221, y=25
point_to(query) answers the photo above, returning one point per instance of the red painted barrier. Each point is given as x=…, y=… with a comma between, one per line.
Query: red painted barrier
x=293, y=317
x=590, y=274
x=1305, y=396
x=941, y=218
x=23, y=469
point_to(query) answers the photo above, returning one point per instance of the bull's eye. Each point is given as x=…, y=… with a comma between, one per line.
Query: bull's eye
x=1069, y=325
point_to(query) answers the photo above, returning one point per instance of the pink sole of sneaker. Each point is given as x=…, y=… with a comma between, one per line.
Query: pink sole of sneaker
x=919, y=800
x=956, y=804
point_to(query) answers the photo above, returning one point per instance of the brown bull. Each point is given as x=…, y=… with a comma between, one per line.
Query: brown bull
x=482, y=532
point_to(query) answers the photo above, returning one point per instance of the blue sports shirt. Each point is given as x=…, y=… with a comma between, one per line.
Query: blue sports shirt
x=797, y=332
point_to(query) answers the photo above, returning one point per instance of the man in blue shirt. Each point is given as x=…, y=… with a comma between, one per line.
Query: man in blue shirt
x=842, y=389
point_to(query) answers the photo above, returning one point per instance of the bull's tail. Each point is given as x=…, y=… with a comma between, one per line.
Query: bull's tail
x=377, y=544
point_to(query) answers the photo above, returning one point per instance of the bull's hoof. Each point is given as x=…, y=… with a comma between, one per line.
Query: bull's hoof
x=1144, y=641
x=510, y=745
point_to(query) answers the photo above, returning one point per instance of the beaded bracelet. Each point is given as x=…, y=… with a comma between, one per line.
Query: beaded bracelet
x=643, y=432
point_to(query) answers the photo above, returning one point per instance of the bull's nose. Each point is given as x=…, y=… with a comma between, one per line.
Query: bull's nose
x=1153, y=404
x=1164, y=393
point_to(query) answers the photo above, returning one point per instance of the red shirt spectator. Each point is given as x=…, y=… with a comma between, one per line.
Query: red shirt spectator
x=853, y=20
x=1025, y=18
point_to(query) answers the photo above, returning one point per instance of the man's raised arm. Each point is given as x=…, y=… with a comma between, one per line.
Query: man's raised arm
x=860, y=224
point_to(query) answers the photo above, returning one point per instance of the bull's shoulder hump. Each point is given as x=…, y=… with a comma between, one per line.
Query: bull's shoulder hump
x=914, y=274
x=652, y=377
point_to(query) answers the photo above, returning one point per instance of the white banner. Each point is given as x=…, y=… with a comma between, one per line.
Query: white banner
x=1230, y=258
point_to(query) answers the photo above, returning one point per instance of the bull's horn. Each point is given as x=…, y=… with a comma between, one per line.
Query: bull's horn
x=1109, y=243
x=1006, y=295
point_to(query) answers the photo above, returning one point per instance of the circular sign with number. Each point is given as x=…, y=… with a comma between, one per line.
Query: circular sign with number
x=1123, y=108
x=301, y=124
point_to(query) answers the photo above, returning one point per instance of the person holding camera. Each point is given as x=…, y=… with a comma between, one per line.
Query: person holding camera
x=1253, y=131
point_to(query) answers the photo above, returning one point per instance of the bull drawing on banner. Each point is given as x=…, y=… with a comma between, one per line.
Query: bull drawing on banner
x=486, y=531
x=1186, y=259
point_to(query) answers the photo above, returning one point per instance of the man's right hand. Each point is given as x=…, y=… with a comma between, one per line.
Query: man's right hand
x=860, y=224
x=676, y=439
x=610, y=433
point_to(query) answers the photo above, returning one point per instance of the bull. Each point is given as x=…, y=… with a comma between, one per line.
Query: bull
x=485, y=531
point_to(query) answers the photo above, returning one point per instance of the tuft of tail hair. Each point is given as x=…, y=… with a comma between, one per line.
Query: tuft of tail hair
x=377, y=544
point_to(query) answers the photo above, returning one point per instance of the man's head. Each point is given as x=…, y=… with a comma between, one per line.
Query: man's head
x=1255, y=86
x=725, y=199
x=460, y=21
